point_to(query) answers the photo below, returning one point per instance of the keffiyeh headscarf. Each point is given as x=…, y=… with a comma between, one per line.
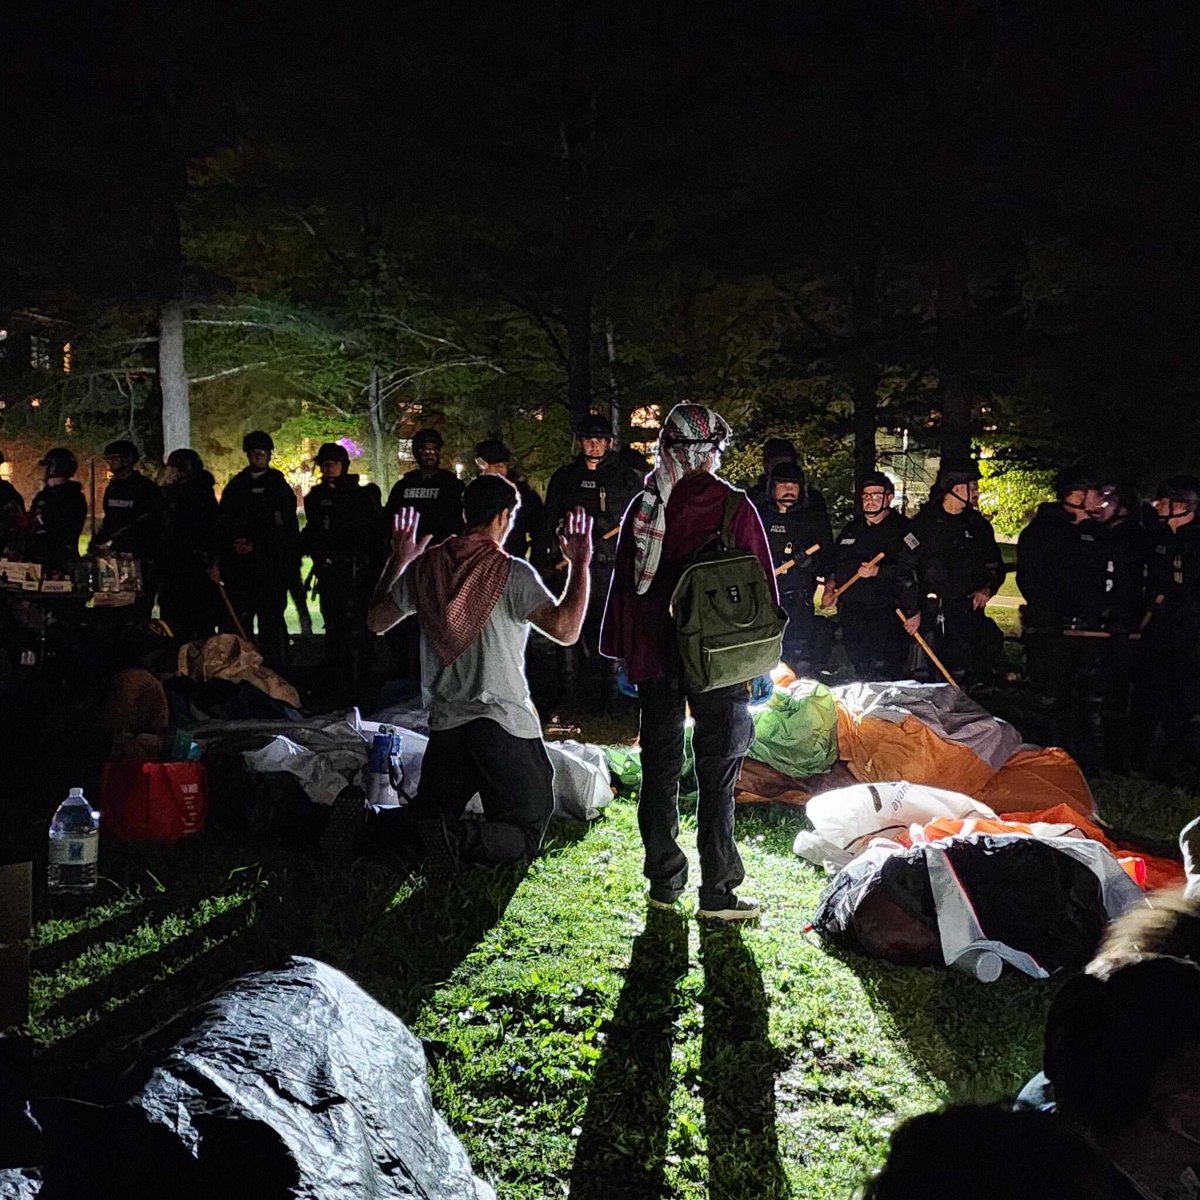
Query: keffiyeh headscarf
x=690, y=434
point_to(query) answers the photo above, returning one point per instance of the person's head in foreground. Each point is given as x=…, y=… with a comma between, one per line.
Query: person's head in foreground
x=692, y=439
x=490, y=504
x=1123, y=1054
x=978, y=1152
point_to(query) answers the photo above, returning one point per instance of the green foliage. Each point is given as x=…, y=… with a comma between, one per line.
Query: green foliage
x=1010, y=493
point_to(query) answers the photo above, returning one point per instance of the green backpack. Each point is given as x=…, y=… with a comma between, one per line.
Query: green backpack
x=728, y=627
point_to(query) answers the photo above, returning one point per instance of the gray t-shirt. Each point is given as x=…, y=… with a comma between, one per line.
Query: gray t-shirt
x=488, y=678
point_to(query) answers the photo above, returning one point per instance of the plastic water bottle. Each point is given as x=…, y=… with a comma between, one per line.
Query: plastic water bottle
x=74, y=845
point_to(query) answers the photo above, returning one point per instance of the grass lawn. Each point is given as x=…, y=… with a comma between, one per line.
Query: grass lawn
x=579, y=1047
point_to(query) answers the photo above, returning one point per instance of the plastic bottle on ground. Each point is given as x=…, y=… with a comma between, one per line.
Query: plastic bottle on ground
x=74, y=845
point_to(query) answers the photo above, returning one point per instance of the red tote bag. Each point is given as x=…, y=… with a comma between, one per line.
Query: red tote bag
x=152, y=801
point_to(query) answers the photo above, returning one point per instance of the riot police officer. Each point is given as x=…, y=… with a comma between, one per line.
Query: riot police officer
x=598, y=481
x=801, y=544
x=342, y=537
x=258, y=544
x=433, y=491
x=1052, y=552
x=187, y=598
x=959, y=569
x=873, y=637
x=132, y=521
x=1167, y=695
x=132, y=505
x=493, y=457
x=57, y=514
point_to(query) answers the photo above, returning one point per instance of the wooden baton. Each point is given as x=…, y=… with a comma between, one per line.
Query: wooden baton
x=785, y=567
x=232, y=613
x=933, y=658
x=856, y=577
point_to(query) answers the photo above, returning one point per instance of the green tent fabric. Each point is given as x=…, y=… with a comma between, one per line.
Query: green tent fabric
x=795, y=732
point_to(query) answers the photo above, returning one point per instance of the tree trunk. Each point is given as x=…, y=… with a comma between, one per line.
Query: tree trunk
x=614, y=395
x=172, y=377
x=379, y=457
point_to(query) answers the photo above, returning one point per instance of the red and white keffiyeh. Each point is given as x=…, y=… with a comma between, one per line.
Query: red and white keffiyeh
x=455, y=586
x=690, y=435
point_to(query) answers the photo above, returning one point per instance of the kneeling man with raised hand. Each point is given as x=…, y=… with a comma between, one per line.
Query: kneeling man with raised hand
x=475, y=604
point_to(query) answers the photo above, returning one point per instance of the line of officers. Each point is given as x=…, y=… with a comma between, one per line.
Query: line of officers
x=939, y=569
x=190, y=546
x=889, y=577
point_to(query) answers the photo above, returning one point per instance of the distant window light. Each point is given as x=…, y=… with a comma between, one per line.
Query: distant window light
x=5, y=470
x=69, y=425
x=3, y=335
x=39, y=353
x=66, y=358
x=647, y=417
x=36, y=402
x=538, y=414
x=404, y=448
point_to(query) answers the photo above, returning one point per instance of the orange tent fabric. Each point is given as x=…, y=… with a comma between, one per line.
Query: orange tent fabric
x=1037, y=779
x=877, y=751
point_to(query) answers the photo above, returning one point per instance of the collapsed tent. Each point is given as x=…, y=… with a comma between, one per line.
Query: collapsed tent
x=931, y=733
x=977, y=903
x=293, y=1082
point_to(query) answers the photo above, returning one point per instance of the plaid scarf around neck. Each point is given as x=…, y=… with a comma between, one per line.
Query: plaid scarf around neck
x=690, y=435
x=455, y=587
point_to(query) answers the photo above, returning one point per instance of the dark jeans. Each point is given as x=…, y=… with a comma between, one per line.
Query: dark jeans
x=513, y=777
x=722, y=735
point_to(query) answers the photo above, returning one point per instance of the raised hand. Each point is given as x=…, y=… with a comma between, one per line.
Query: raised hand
x=576, y=539
x=405, y=545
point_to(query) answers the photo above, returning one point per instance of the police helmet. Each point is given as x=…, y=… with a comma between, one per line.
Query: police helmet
x=123, y=449
x=1181, y=489
x=333, y=452
x=60, y=463
x=422, y=436
x=876, y=479
x=185, y=461
x=594, y=426
x=492, y=450
x=257, y=439
x=954, y=471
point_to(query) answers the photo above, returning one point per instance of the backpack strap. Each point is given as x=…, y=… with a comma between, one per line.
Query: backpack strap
x=732, y=503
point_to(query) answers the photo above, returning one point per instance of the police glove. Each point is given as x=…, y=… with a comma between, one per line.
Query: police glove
x=761, y=689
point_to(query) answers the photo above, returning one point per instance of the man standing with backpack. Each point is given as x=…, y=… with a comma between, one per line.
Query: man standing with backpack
x=674, y=527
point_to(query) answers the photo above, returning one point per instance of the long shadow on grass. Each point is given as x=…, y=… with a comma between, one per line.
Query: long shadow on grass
x=738, y=1065
x=621, y=1152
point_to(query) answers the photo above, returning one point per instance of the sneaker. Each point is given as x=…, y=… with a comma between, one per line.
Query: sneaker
x=663, y=905
x=339, y=838
x=732, y=909
x=439, y=858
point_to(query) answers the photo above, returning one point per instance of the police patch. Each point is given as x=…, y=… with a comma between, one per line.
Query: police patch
x=911, y=541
